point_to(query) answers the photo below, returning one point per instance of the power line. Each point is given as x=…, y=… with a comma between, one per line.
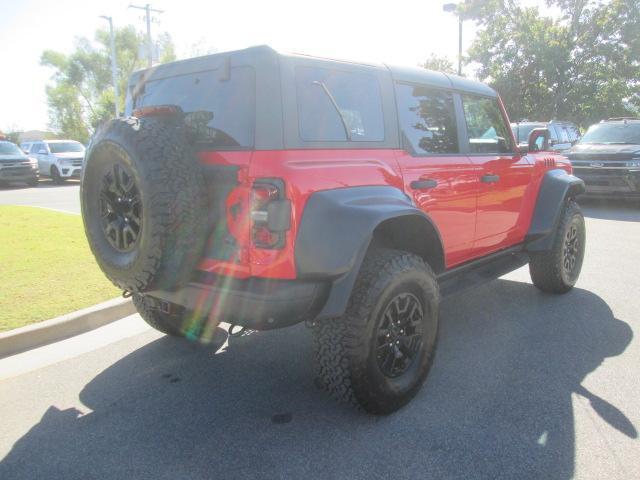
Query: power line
x=147, y=8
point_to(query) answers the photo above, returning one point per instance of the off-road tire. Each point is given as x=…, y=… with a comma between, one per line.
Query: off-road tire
x=168, y=179
x=345, y=348
x=55, y=176
x=163, y=322
x=547, y=269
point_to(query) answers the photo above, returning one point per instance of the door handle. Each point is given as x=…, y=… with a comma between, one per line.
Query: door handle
x=424, y=184
x=489, y=178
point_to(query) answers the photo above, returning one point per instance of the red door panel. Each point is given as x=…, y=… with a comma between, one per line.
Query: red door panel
x=501, y=192
x=447, y=194
x=504, y=174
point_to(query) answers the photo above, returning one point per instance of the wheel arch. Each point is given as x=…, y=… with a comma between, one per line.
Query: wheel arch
x=339, y=226
x=413, y=233
x=556, y=188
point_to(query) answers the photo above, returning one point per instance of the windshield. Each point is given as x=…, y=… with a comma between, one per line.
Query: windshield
x=608, y=133
x=8, y=148
x=63, y=147
x=521, y=132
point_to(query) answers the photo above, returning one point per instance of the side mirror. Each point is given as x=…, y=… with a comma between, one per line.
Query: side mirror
x=539, y=140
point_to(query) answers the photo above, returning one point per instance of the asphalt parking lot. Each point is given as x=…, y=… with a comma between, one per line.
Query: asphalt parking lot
x=524, y=385
x=48, y=195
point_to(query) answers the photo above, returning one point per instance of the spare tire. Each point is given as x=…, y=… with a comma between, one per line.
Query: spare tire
x=143, y=203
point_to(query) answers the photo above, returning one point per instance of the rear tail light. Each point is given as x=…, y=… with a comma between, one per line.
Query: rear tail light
x=270, y=214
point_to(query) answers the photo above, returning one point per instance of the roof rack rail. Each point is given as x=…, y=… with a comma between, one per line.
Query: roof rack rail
x=614, y=119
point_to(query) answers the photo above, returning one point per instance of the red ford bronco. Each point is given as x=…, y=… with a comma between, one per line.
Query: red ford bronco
x=263, y=190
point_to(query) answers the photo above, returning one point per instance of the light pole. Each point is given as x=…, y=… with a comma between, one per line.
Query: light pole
x=114, y=68
x=147, y=8
x=453, y=7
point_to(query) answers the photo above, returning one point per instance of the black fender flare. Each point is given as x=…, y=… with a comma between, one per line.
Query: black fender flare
x=557, y=185
x=336, y=230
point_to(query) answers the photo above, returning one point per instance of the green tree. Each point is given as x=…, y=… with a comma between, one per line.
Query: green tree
x=80, y=96
x=582, y=66
x=439, y=64
x=11, y=135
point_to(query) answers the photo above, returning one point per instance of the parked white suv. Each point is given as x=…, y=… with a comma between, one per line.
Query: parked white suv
x=58, y=159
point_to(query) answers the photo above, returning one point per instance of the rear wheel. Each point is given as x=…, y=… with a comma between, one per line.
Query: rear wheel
x=378, y=355
x=557, y=270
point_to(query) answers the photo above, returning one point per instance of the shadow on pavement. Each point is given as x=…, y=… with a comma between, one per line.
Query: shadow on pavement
x=498, y=404
x=626, y=210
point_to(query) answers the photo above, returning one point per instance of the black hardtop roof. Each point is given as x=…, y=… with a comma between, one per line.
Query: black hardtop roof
x=440, y=79
x=263, y=52
x=621, y=120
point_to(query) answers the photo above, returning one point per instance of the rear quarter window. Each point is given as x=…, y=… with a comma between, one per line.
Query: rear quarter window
x=219, y=109
x=338, y=106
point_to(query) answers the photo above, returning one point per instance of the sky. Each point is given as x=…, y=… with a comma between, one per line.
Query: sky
x=399, y=32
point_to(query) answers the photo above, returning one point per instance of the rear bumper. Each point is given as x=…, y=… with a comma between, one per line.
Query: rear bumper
x=256, y=303
x=610, y=182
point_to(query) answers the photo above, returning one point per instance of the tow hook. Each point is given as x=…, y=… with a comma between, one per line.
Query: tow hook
x=126, y=294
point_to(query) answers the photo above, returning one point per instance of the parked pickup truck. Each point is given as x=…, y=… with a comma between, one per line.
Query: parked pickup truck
x=264, y=190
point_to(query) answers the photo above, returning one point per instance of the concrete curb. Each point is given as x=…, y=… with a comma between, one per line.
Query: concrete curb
x=65, y=326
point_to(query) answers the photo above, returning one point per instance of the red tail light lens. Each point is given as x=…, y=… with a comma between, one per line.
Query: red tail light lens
x=267, y=202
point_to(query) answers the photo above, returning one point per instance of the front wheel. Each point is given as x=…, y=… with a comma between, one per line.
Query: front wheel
x=557, y=270
x=55, y=176
x=378, y=355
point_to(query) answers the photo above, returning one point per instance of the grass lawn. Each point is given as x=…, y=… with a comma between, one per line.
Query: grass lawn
x=46, y=267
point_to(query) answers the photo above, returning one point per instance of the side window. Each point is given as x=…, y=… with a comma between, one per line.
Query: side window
x=36, y=147
x=427, y=119
x=338, y=106
x=564, y=135
x=488, y=132
x=553, y=133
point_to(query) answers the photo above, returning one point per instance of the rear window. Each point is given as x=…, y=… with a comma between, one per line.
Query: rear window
x=338, y=106
x=219, y=109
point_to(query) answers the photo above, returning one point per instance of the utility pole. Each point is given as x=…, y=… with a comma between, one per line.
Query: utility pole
x=114, y=67
x=453, y=8
x=147, y=8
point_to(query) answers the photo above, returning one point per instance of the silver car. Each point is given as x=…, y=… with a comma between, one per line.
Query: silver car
x=58, y=159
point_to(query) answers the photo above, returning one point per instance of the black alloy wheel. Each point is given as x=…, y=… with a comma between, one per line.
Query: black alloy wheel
x=571, y=250
x=120, y=208
x=399, y=334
